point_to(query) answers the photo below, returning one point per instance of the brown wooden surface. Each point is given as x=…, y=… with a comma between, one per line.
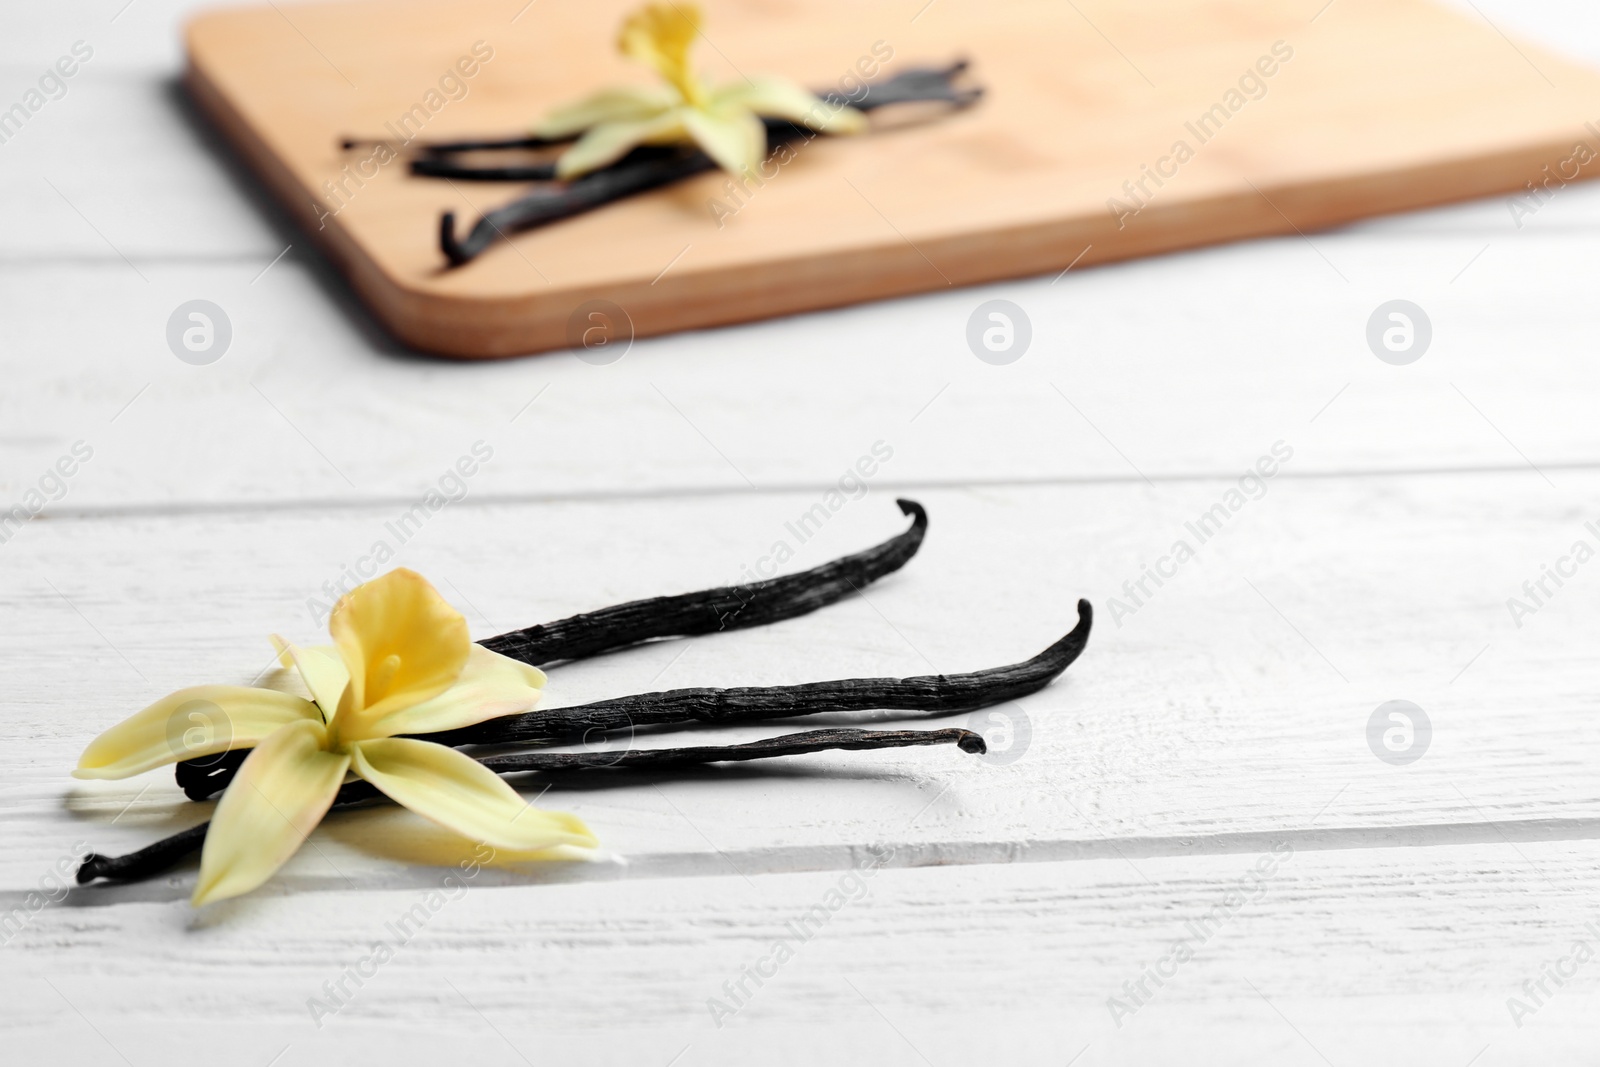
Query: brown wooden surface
x=1385, y=105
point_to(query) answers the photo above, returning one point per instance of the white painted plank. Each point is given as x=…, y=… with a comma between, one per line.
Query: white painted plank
x=139, y=37
x=1381, y=956
x=1234, y=701
x=1186, y=365
x=118, y=167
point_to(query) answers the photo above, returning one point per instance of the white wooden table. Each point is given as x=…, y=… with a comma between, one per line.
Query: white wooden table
x=1219, y=725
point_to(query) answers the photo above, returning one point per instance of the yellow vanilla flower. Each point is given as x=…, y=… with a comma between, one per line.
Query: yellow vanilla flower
x=401, y=663
x=725, y=121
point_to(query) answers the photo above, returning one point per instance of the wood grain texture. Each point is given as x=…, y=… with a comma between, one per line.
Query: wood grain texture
x=177, y=192
x=1380, y=107
x=172, y=191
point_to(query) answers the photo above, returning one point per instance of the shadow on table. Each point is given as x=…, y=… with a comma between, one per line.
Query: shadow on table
x=425, y=854
x=287, y=231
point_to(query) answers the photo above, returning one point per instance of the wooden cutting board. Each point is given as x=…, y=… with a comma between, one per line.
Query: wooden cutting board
x=1110, y=129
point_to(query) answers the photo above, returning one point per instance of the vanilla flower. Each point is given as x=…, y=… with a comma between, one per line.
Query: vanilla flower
x=725, y=121
x=401, y=663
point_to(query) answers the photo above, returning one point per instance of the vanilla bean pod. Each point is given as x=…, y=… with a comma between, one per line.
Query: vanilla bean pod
x=936, y=693
x=918, y=85
x=153, y=859
x=581, y=195
x=145, y=863
x=735, y=607
x=644, y=168
x=923, y=85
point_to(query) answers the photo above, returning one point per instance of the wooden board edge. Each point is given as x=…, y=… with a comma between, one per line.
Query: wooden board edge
x=503, y=327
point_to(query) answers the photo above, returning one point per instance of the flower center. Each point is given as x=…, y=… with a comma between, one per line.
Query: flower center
x=691, y=89
x=382, y=675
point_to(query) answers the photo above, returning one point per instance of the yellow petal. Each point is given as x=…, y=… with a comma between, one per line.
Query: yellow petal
x=194, y=722
x=274, y=802
x=735, y=140
x=402, y=644
x=491, y=685
x=463, y=795
x=610, y=141
x=779, y=98
x=661, y=35
x=607, y=105
x=320, y=667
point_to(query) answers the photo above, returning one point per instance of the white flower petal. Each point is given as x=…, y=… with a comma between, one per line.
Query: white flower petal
x=628, y=104
x=779, y=98
x=462, y=795
x=320, y=667
x=199, y=721
x=735, y=140
x=605, y=144
x=274, y=802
